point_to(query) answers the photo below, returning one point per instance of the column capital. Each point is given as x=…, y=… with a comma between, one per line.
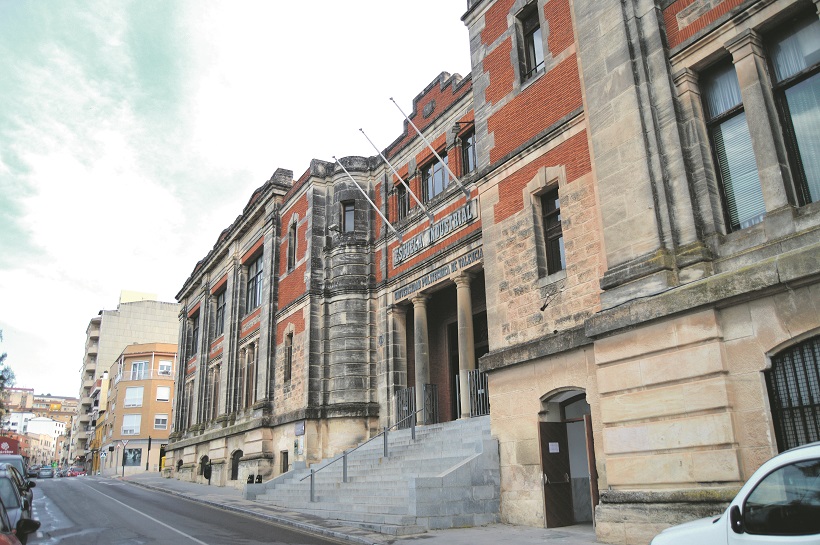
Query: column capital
x=744, y=44
x=686, y=81
x=419, y=300
x=463, y=279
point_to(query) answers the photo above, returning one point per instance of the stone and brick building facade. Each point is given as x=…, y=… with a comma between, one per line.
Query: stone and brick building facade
x=627, y=253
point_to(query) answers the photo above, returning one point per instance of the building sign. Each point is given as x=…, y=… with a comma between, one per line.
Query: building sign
x=438, y=231
x=9, y=445
x=440, y=273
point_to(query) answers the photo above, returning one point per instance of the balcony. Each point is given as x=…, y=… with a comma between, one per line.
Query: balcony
x=161, y=374
x=85, y=418
x=86, y=400
x=92, y=348
x=81, y=436
x=90, y=365
x=88, y=383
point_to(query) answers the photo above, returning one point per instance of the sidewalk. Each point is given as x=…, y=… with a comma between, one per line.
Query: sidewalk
x=231, y=499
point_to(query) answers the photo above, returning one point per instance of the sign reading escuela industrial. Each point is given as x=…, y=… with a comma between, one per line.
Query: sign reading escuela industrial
x=439, y=230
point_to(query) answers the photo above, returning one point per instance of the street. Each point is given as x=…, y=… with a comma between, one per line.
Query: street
x=104, y=511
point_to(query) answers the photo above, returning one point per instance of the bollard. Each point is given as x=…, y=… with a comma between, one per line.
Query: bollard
x=385, y=442
x=312, y=487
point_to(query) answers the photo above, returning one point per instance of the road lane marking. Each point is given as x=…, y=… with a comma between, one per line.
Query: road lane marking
x=180, y=532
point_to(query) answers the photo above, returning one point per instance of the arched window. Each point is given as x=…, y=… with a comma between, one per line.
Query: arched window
x=794, y=394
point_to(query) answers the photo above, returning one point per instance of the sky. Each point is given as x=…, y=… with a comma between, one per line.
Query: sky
x=133, y=132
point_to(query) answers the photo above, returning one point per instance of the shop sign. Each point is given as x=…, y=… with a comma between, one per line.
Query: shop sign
x=438, y=274
x=438, y=231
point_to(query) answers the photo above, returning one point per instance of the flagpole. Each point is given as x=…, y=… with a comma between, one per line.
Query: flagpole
x=442, y=161
x=376, y=208
x=429, y=215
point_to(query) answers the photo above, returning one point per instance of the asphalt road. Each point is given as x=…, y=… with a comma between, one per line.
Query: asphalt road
x=102, y=511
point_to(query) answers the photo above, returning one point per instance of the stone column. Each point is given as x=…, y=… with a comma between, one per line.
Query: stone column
x=422, y=345
x=466, y=340
x=762, y=118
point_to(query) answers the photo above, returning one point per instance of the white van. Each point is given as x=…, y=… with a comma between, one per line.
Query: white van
x=779, y=504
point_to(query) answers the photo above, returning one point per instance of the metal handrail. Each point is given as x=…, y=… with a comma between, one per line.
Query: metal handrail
x=344, y=454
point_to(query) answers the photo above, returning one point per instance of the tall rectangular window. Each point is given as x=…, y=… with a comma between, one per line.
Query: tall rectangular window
x=348, y=216
x=131, y=424
x=402, y=201
x=468, y=152
x=288, y=357
x=553, y=236
x=531, y=42
x=219, y=318
x=254, y=295
x=732, y=147
x=193, y=340
x=292, y=246
x=435, y=177
x=795, y=58
x=133, y=396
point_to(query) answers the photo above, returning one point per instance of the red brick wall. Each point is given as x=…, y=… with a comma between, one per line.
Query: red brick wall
x=502, y=76
x=298, y=321
x=444, y=99
x=495, y=21
x=559, y=22
x=676, y=34
x=573, y=153
x=553, y=96
x=292, y=286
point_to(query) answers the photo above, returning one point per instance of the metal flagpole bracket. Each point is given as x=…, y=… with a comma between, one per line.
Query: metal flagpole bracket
x=450, y=172
x=376, y=208
x=407, y=187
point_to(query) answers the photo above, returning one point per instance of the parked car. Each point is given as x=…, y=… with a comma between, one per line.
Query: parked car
x=780, y=503
x=32, y=471
x=75, y=472
x=10, y=534
x=17, y=507
x=45, y=473
x=16, y=460
x=22, y=484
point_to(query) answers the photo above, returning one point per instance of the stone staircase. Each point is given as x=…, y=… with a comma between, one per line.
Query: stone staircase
x=448, y=477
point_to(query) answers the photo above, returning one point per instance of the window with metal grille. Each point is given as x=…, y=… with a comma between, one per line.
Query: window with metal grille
x=794, y=394
x=402, y=201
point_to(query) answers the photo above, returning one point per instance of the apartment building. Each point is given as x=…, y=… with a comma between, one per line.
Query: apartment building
x=132, y=430
x=610, y=245
x=139, y=318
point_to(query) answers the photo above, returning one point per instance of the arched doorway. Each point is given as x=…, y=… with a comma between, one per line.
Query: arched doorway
x=569, y=477
x=793, y=383
x=205, y=467
x=235, y=457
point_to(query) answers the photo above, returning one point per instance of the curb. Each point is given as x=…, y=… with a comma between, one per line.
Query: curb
x=282, y=521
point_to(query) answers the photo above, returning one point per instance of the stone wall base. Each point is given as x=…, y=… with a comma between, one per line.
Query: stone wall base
x=635, y=517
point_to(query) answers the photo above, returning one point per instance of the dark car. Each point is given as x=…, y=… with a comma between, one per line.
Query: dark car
x=11, y=534
x=16, y=460
x=22, y=484
x=32, y=471
x=45, y=473
x=17, y=507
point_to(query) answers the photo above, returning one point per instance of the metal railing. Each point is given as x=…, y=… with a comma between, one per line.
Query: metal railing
x=384, y=433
